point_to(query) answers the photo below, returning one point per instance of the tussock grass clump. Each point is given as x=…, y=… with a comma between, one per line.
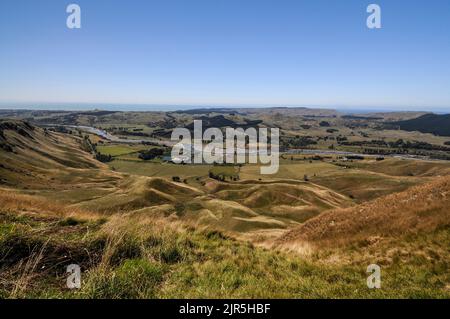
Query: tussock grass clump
x=128, y=247
x=215, y=234
x=171, y=255
x=135, y=278
x=71, y=221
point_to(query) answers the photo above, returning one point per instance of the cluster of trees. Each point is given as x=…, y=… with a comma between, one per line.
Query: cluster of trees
x=149, y=143
x=132, y=133
x=61, y=129
x=177, y=179
x=376, y=143
x=105, y=158
x=381, y=151
x=223, y=177
x=297, y=141
x=417, y=145
x=150, y=154
x=310, y=158
x=400, y=145
x=355, y=157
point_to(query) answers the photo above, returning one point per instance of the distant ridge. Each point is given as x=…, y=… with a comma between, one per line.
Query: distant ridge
x=428, y=123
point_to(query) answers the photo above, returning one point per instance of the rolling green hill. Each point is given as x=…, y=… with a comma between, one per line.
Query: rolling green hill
x=138, y=232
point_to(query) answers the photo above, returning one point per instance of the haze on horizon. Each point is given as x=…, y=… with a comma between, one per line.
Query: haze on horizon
x=227, y=53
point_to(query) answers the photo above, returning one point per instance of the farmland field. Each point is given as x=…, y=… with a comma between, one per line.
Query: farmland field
x=118, y=150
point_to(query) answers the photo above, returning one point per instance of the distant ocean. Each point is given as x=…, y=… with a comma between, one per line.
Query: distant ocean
x=169, y=107
x=98, y=106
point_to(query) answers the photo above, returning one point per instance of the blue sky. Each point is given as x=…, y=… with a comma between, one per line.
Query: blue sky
x=227, y=52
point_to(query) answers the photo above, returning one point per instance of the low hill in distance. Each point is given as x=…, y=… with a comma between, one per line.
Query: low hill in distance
x=428, y=123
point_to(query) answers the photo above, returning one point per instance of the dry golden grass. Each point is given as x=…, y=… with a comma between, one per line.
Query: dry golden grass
x=27, y=271
x=136, y=255
x=398, y=167
x=421, y=208
x=14, y=202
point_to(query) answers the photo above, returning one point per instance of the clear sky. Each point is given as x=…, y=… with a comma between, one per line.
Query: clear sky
x=227, y=52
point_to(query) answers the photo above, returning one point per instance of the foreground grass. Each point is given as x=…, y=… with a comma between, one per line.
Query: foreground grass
x=134, y=256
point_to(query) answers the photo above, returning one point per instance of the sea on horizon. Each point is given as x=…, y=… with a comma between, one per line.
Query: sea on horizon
x=175, y=107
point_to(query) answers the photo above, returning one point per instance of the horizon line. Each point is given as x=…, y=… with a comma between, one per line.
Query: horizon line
x=138, y=107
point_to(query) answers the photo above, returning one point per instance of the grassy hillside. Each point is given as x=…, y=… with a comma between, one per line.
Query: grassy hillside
x=32, y=157
x=420, y=209
x=408, y=231
x=138, y=232
x=136, y=256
